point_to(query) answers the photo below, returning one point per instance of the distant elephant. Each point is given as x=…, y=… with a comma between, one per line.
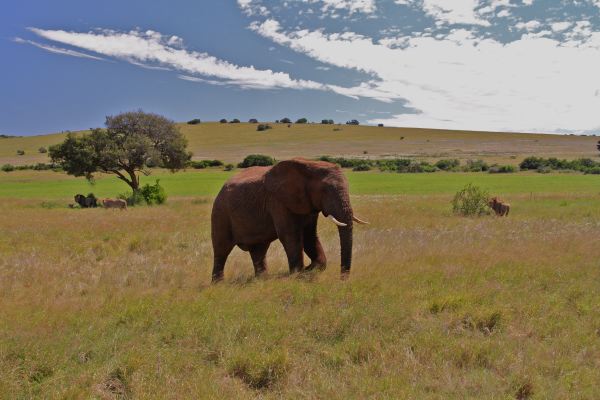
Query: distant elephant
x=86, y=202
x=262, y=204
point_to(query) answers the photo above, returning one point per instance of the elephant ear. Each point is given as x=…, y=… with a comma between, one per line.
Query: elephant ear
x=288, y=182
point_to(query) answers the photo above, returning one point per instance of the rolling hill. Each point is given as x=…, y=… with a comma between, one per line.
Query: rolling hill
x=232, y=142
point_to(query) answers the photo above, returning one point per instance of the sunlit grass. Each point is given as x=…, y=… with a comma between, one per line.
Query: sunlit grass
x=99, y=302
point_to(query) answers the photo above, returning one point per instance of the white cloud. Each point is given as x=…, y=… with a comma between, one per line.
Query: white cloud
x=364, y=6
x=464, y=82
x=561, y=26
x=528, y=26
x=56, y=50
x=454, y=12
x=151, y=49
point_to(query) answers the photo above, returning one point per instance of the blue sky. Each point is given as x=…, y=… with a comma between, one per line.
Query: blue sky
x=510, y=65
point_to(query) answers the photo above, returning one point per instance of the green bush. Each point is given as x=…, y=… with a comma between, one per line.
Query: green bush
x=223, y=121
x=285, y=121
x=553, y=163
x=470, y=201
x=154, y=194
x=254, y=160
x=593, y=171
x=20, y=152
x=476, y=166
x=234, y=121
x=42, y=150
x=448, y=165
x=132, y=198
x=8, y=167
x=362, y=167
x=263, y=127
x=302, y=121
x=501, y=169
x=229, y=167
x=202, y=164
x=327, y=122
x=194, y=121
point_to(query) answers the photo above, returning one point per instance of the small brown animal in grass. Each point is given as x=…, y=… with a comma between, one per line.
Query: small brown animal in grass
x=500, y=208
x=114, y=203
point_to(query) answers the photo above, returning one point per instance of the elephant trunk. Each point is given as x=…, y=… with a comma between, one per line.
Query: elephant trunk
x=341, y=210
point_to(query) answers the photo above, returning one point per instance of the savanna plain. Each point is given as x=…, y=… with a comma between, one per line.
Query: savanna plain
x=107, y=304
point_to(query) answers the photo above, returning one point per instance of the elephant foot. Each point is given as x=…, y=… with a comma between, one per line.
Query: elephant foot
x=345, y=275
x=315, y=265
x=217, y=278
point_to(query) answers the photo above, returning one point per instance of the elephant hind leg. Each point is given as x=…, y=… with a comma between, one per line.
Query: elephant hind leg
x=219, y=262
x=259, y=257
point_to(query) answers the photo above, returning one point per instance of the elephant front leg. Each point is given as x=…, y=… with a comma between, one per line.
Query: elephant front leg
x=313, y=247
x=292, y=244
x=259, y=258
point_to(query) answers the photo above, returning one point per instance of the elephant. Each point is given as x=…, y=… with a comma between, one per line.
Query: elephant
x=262, y=204
x=86, y=202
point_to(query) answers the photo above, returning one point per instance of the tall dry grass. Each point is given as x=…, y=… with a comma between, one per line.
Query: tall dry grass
x=99, y=303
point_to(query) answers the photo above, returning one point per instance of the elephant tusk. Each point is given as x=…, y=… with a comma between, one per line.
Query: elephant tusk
x=360, y=221
x=335, y=221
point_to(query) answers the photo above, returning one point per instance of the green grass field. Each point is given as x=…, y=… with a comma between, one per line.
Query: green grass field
x=107, y=304
x=57, y=186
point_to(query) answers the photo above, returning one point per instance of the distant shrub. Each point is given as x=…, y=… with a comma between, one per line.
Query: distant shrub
x=476, y=166
x=544, y=170
x=353, y=122
x=470, y=201
x=253, y=121
x=418, y=167
x=362, y=167
x=229, y=167
x=223, y=121
x=263, y=127
x=532, y=163
x=327, y=122
x=8, y=168
x=593, y=171
x=501, y=169
x=132, y=198
x=302, y=121
x=254, y=160
x=234, y=121
x=154, y=194
x=20, y=152
x=553, y=163
x=285, y=121
x=448, y=165
x=204, y=164
x=380, y=125
x=194, y=121
x=42, y=150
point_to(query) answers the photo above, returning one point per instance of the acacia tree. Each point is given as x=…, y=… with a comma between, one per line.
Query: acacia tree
x=131, y=143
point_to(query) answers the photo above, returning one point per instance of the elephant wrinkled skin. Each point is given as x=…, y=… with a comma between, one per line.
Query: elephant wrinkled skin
x=262, y=204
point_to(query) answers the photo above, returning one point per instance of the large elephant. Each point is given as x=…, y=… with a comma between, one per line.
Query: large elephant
x=282, y=202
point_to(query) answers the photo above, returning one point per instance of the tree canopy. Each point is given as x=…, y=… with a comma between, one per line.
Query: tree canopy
x=131, y=143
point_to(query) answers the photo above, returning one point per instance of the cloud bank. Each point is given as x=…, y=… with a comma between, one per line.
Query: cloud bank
x=454, y=74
